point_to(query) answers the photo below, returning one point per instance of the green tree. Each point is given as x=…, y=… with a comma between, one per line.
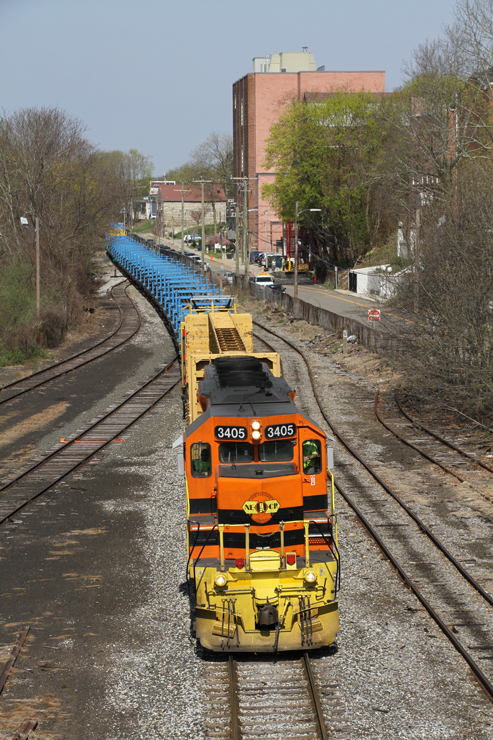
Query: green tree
x=131, y=174
x=328, y=155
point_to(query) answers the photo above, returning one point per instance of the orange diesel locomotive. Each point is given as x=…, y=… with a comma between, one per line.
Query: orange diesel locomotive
x=263, y=562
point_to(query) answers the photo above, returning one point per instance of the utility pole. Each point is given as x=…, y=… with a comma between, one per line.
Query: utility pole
x=297, y=213
x=202, y=183
x=245, y=224
x=237, y=245
x=244, y=240
x=183, y=216
x=203, y=228
x=182, y=219
x=265, y=214
x=38, y=279
x=295, y=287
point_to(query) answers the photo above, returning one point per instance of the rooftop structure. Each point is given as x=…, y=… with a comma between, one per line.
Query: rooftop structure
x=258, y=100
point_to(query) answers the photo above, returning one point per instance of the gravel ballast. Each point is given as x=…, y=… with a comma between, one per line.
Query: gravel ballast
x=111, y=654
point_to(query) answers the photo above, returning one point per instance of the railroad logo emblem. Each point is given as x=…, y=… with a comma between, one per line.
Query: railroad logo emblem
x=261, y=507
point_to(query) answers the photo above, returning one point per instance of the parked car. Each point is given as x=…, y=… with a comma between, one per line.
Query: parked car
x=278, y=288
x=262, y=279
x=191, y=238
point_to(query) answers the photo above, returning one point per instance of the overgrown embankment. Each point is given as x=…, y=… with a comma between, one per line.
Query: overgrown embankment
x=58, y=191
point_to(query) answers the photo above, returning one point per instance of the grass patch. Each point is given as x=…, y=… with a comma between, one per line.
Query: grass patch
x=384, y=254
x=209, y=230
x=144, y=226
x=20, y=357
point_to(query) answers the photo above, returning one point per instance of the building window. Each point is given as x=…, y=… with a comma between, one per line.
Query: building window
x=235, y=101
x=242, y=168
x=241, y=112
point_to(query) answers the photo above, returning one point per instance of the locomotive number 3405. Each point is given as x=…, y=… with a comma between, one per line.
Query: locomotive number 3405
x=280, y=430
x=230, y=432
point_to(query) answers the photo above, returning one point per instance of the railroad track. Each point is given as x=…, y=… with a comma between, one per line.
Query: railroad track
x=70, y=454
x=441, y=452
x=128, y=326
x=454, y=599
x=281, y=699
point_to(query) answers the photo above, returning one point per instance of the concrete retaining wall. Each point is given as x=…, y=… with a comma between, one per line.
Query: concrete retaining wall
x=368, y=336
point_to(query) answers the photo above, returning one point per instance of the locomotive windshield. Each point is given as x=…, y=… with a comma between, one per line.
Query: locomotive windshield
x=236, y=452
x=279, y=450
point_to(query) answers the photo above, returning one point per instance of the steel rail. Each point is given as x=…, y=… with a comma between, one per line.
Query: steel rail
x=60, y=374
x=315, y=697
x=464, y=573
x=92, y=452
x=487, y=685
x=440, y=439
x=26, y=731
x=9, y=664
x=410, y=444
x=424, y=454
x=235, y=723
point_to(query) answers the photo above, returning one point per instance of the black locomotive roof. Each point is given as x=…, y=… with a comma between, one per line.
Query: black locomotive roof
x=233, y=380
x=242, y=387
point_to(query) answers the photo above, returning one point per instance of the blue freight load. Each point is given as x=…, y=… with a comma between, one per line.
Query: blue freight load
x=176, y=288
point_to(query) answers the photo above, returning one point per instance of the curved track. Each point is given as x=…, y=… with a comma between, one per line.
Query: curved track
x=443, y=601
x=419, y=426
x=129, y=325
x=16, y=493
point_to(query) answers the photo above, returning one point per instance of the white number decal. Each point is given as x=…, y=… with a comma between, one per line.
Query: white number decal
x=230, y=432
x=280, y=431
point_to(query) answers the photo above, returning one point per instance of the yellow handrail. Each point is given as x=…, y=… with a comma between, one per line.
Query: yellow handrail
x=246, y=527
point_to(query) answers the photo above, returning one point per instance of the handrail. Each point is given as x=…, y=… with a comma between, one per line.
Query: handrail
x=333, y=512
x=246, y=527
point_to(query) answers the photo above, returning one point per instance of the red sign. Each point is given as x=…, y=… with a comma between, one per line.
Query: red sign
x=373, y=314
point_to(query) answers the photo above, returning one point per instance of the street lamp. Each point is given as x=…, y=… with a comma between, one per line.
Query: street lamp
x=245, y=249
x=25, y=222
x=297, y=214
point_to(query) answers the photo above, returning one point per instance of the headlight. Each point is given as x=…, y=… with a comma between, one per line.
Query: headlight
x=220, y=580
x=255, y=425
x=256, y=434
x=310, y=576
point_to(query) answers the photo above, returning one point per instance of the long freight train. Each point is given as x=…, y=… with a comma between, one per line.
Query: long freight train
x=263, y=563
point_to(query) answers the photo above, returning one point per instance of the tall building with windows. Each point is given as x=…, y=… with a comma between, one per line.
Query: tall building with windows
x=258, y=100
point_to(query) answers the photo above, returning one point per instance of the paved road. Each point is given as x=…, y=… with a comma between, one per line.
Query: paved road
x=340, y=302
x=345, y=303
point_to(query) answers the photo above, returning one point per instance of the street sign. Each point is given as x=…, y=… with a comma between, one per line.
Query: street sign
x=373, y=314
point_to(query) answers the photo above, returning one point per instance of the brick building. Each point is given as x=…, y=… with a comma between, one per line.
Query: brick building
x=258, y=100
x=168, y=204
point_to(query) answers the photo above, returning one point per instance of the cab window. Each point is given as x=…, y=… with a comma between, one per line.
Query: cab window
x=276, y=451
x=235, y=452
x=200, y=457
x=312, y=456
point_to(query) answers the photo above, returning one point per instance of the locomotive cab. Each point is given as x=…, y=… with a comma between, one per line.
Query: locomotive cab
x=262, y=539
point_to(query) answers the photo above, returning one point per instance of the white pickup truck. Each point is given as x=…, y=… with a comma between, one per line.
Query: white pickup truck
x=262, y=279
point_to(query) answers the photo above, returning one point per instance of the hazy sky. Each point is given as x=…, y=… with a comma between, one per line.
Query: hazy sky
x=157, y=76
